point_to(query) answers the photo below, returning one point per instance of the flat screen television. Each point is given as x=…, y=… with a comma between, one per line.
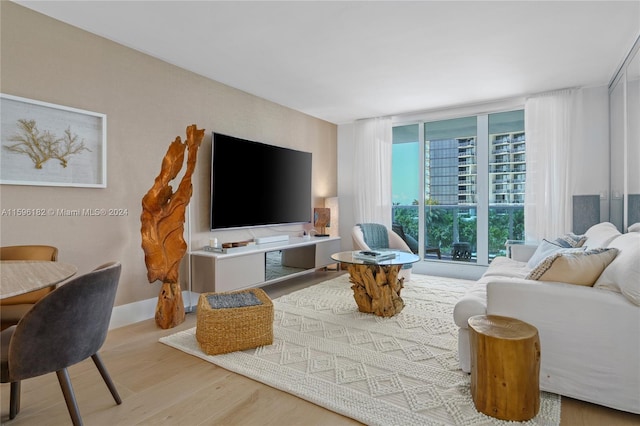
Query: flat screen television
x=255, y=184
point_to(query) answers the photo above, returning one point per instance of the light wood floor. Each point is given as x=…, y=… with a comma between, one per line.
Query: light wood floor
x=163, y=386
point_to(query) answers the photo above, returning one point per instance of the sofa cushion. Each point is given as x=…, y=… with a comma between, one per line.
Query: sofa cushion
x=505, y=267
x=545, y=249
x=574, y=266
x=634, y=228
x=600, y=235
x=474, y=301
x=623, y=274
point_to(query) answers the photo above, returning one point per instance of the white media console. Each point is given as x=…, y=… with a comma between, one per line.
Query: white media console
x=260, y=264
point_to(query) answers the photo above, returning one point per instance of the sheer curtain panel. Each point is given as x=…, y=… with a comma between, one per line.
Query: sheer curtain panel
x=372, y=171
x=550, y=126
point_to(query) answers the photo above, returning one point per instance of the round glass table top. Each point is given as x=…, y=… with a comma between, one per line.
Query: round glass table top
x=400, y=257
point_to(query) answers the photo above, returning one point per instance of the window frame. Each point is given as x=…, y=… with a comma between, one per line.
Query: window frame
x=481, y=112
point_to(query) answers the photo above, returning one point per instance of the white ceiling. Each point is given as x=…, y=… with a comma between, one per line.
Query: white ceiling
x=345, y=60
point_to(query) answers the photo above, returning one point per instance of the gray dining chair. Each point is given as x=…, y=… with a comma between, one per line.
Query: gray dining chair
x=67, y=326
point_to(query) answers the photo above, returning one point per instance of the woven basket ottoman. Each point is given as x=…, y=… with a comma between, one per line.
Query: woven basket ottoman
x=234, y=321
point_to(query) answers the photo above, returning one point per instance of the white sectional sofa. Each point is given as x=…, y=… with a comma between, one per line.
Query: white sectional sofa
x=589, y=331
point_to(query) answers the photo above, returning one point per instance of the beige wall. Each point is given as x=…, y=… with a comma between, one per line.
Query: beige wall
x=148, y=103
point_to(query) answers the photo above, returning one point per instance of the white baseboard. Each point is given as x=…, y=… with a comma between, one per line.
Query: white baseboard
x=144, y=309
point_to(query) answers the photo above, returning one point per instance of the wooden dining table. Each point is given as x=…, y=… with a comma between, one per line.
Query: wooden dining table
x=22, y=276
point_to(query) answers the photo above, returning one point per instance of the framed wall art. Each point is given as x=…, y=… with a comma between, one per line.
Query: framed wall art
x=51, y=145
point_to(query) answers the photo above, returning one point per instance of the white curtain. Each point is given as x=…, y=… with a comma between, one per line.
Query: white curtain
x=550, y=128
x=372, y=171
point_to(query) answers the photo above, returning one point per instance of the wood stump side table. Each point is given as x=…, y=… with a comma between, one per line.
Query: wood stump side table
x=505, y=367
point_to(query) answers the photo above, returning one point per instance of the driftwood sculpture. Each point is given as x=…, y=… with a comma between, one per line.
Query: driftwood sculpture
x=163, y=216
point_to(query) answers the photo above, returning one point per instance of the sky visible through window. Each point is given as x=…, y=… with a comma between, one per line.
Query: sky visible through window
x=406, y=174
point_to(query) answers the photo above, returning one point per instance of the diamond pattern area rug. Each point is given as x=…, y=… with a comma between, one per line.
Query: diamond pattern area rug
x=401, y=370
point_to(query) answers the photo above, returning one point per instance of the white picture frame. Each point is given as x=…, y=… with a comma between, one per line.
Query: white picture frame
x=45, y=144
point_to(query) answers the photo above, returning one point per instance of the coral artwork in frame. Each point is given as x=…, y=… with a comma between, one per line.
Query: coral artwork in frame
x=51, y=145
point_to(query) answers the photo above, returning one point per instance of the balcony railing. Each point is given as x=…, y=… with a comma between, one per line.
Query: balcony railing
x=506, y=222
x=466, y=142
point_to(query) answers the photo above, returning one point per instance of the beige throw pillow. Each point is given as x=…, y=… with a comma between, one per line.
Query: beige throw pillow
x=574, y=267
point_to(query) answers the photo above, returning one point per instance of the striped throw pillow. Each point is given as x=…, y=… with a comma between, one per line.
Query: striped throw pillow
x=570, y=240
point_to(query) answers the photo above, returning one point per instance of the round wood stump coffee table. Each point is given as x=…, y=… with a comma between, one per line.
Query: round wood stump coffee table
x=505, y=367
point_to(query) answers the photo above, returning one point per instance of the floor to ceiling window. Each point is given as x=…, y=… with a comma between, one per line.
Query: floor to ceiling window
x=507, y=170
x=458, y=185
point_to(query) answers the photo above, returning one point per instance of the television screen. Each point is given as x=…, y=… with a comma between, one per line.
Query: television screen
x=256, y=184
